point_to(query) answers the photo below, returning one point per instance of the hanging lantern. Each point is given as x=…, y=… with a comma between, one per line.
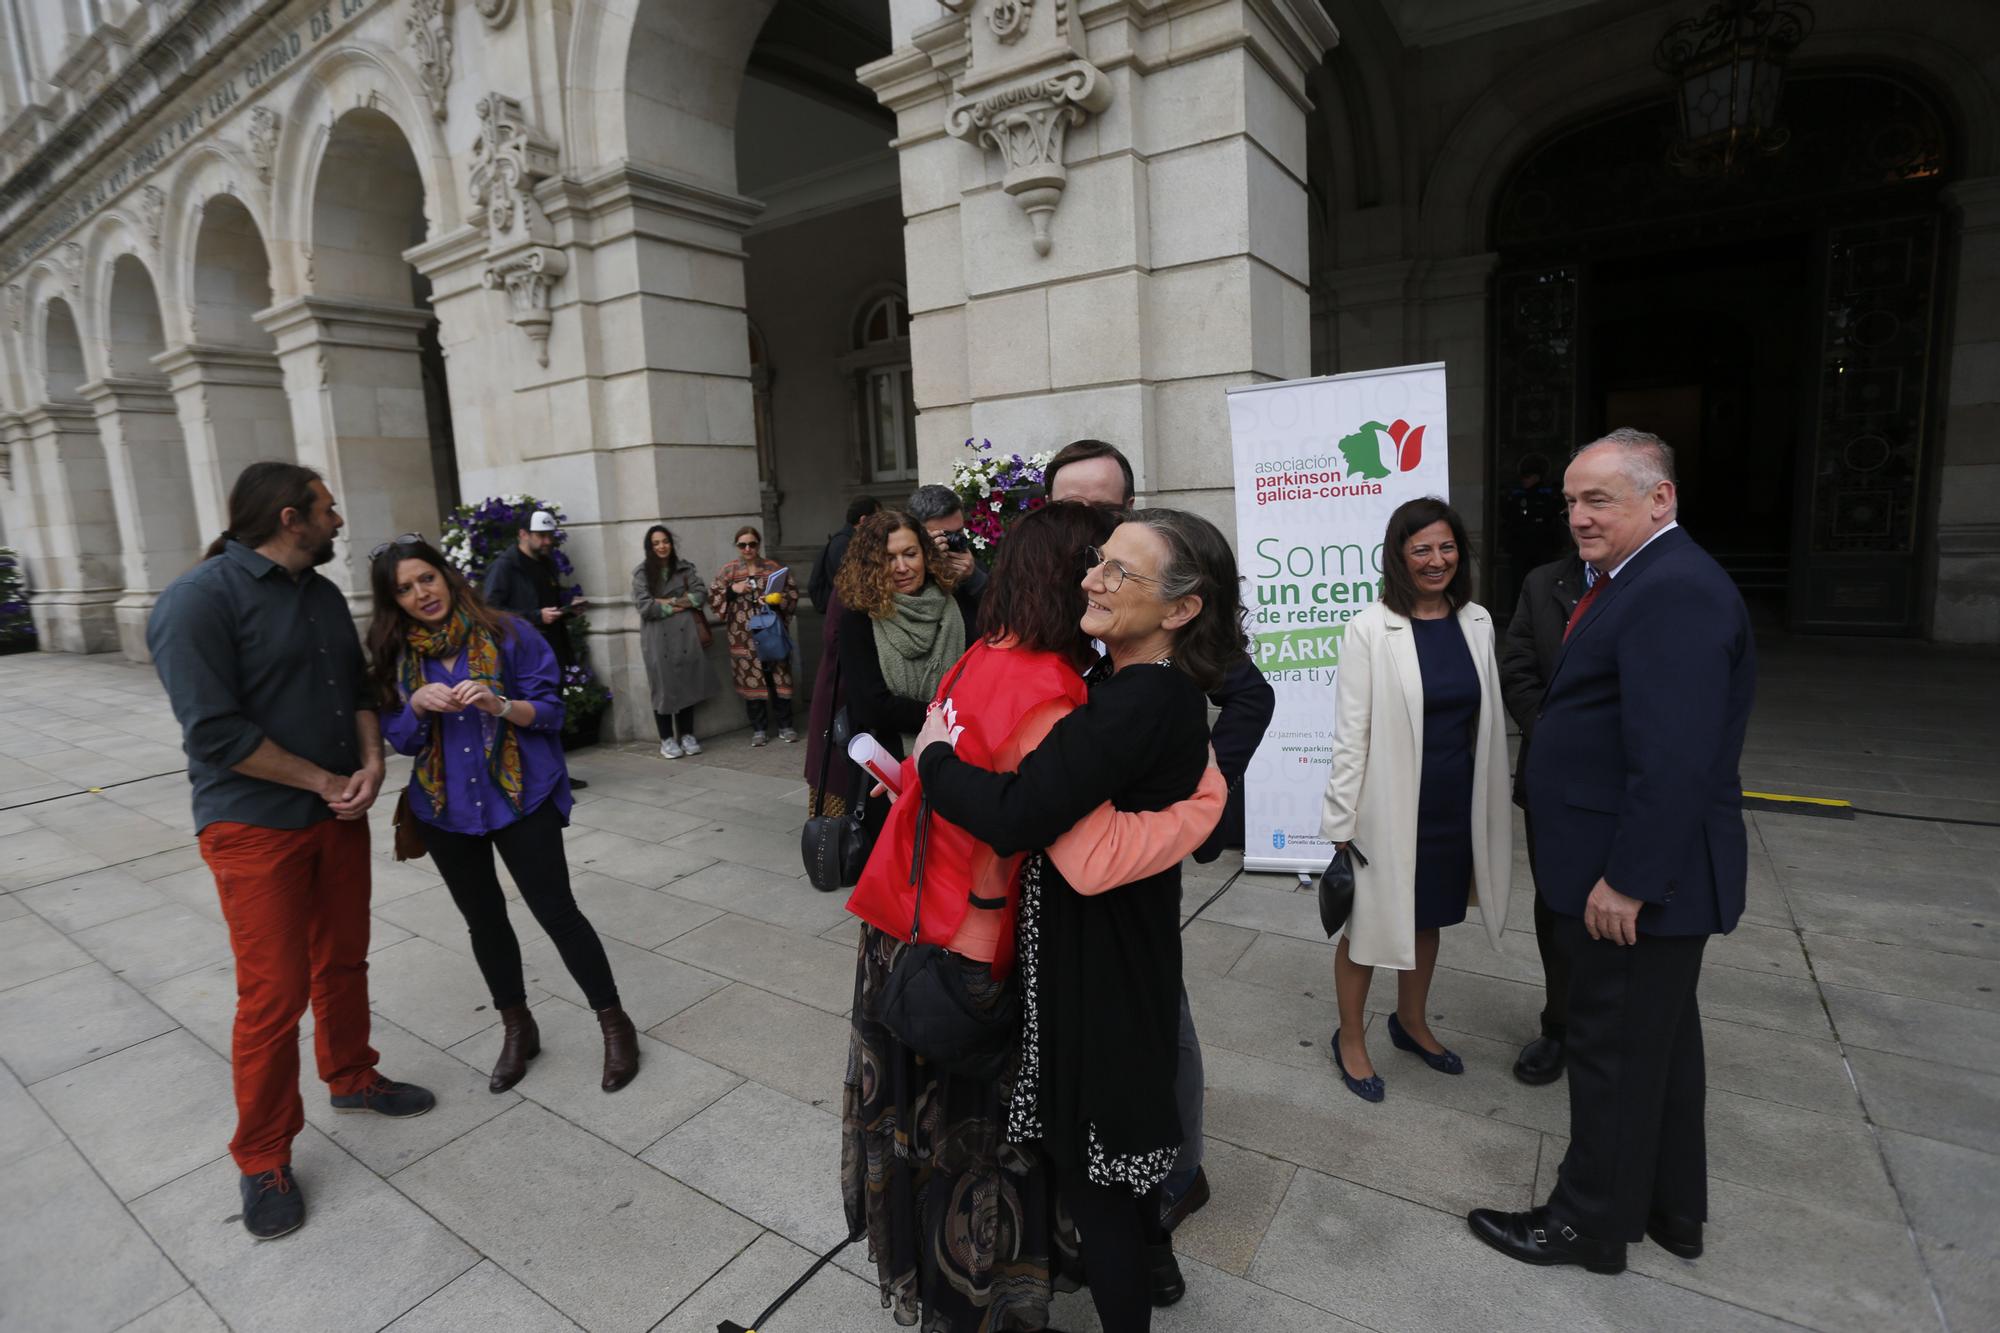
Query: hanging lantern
x=1728, y=68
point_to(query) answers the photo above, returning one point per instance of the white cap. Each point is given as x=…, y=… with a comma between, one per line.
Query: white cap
x=543, y=521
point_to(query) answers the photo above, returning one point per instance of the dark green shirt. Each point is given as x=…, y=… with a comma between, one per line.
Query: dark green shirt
x=246, y=652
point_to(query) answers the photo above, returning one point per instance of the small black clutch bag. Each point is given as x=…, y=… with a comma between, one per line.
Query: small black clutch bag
x=1336, y=889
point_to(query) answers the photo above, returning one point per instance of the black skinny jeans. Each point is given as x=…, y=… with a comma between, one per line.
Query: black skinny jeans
x=666, y=723
x=1116, y=1226
x=532, y=847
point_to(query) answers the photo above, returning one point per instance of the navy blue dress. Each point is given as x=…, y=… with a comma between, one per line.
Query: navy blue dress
x=1444, y=797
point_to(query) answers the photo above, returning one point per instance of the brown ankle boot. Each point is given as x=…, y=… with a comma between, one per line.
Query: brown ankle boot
x=520, y=1042
x=621, y=1048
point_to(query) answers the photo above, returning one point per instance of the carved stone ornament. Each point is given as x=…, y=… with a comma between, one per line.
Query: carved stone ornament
x=511, y=157
x=263, y=140
x=1009, y=18
x=17, y=301
x=69, y=260
x=152, y=203
x=495, y=12
x=429, y=29
x=528, y=277
x=1025, y=86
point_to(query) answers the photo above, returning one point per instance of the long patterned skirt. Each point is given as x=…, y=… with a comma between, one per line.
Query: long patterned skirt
x=965, y=1228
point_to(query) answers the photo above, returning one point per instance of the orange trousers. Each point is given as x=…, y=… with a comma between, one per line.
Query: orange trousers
x=296, y=901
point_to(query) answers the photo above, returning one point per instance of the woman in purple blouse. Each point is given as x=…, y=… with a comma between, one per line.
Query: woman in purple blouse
x=481, y=711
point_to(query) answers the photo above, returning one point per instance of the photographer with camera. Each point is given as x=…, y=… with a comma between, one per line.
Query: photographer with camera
x=938, y=509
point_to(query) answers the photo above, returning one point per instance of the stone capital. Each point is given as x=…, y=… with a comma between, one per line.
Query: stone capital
x=1976, y=201
x=197, y=363
x=126, y=394
x=1025, y=83
x=328, y=321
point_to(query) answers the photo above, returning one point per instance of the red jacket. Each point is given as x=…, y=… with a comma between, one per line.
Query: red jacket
x=994, y=689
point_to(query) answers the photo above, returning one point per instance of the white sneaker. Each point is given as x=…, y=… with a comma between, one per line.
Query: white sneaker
x=670, y=748
x=689, y=745
x=759, y=738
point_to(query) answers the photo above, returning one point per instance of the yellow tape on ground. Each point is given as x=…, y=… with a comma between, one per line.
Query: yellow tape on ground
x=1796, y=800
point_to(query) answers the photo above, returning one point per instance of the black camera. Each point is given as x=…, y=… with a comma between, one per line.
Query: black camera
x=957, y=542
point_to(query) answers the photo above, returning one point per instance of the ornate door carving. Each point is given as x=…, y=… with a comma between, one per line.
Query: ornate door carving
x=1857, y=570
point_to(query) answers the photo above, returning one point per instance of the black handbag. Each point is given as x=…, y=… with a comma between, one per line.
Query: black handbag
x=1336, y=889
x=835, y=847
x=928, y=1008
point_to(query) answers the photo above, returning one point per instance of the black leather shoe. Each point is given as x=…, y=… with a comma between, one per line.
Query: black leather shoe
x=1676, y=1235
x=1190, y=1203
x=272, y=1204
x=1540, y=1061
x=1538, y=1237
x=1163, y=1275
x=578, y=784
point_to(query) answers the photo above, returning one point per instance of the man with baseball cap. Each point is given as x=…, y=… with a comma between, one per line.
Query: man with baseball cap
x=523, y=580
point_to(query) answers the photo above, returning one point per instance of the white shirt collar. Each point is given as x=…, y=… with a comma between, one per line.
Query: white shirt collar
x=1591, y=571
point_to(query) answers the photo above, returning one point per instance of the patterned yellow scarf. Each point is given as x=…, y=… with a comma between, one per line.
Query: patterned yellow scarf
x=482, y=663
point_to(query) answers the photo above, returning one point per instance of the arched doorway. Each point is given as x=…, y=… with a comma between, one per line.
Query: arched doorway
x=145, y=451
x=1778, y=326
x=226, y=379
x=382, y=399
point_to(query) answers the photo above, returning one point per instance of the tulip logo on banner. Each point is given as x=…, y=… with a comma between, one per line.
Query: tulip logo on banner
x=1363, y=450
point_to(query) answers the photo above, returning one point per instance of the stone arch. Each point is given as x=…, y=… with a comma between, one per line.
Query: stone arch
x=64, y=367
x=213, y=172
x=1603, y=68
x=355, y=76
x=693, y=54
x=228, y=268
x=370, y=402
x=146, y=454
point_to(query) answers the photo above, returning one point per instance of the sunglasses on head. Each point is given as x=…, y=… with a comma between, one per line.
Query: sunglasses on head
x=407, y=539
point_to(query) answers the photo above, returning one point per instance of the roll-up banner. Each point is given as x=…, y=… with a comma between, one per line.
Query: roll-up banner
x=1320, y=466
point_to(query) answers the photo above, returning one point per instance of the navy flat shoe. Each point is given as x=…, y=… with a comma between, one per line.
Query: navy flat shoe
x=1367, y=1089
x=1446, y=1062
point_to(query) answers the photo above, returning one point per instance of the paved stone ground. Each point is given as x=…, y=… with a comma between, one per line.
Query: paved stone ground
x=1852, y=1024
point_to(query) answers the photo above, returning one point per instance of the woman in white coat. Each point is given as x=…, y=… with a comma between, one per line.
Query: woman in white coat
x=1419, y=783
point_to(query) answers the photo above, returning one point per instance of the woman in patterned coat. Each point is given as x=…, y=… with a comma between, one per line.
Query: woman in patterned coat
x=738, y=591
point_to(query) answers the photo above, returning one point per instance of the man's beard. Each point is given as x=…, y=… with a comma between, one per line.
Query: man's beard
x=322, y=553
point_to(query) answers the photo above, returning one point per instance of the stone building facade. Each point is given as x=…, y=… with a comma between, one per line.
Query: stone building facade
x=718, y=261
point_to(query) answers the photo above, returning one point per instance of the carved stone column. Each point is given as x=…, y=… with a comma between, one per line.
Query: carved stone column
x=1161, y=162
x=510, y=159
x=355, y=385
x=146, y=465
x=233, y=413
x=79, y=579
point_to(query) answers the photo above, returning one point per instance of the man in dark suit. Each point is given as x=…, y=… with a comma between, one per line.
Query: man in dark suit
x=1633, y=784
x=1527, y=660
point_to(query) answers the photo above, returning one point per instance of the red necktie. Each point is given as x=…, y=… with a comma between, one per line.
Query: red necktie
x=1583, y=604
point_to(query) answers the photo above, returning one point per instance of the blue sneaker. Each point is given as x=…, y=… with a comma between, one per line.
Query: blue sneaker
x=398, y=1101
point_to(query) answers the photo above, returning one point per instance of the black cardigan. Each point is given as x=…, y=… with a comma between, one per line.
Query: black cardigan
x=871, y=707
x=1109, y=974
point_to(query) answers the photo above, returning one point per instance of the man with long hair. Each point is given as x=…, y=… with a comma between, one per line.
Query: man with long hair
x=265, y=674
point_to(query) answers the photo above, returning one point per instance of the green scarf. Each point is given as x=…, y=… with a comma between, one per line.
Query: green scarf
x=918, y=644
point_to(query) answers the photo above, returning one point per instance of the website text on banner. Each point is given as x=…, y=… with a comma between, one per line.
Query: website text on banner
x=1320, y=465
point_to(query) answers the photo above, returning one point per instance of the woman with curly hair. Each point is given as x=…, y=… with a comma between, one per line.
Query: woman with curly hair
x=900, y=629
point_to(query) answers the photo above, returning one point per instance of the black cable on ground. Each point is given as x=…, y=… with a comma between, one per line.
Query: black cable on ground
x=731, y=1326
x=1928, y=819
x=92, y=791
x=1211, y=899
